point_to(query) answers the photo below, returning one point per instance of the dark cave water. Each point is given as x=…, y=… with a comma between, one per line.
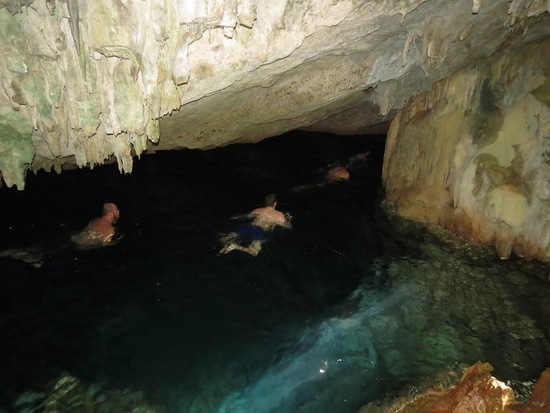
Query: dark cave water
x=350, y=306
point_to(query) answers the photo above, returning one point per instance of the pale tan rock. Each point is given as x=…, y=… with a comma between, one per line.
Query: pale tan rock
x=479, y=146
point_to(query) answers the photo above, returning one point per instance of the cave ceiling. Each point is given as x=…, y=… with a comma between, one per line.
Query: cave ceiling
x=83, y=83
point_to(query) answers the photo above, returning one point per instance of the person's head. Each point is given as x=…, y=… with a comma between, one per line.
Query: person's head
x=110, y=212
x=338, y=172
x=271, y=200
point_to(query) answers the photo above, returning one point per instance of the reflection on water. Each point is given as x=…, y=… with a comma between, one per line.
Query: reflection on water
x=351, y=305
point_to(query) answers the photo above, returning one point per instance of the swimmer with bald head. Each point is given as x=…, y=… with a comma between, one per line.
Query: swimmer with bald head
x=100, y=231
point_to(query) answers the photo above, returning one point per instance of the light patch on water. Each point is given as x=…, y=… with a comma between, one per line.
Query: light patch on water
x=333, y=362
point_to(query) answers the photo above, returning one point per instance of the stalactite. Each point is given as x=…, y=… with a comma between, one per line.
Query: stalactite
x=246, y=12
x=180, y=64
x=122, y=52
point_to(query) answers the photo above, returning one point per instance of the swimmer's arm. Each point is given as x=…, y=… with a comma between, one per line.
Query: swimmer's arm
x=287, y=224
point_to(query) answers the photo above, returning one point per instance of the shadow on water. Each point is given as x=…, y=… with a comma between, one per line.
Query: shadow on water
x=349, y=306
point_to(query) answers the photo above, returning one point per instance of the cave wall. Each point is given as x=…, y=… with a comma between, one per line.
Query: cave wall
x=473, y=153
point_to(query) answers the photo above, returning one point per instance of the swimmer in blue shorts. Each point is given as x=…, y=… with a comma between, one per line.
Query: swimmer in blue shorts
x=250, y=238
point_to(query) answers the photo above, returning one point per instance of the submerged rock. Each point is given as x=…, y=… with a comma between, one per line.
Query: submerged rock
x=68, y=394
x=540, y=399
x=31, y=256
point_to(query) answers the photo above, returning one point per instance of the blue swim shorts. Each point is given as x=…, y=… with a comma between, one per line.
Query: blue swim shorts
x=249, y=233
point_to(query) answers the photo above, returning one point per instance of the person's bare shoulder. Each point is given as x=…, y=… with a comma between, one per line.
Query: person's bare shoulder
x=260, y=211
x=101, y=226
x=278, y=216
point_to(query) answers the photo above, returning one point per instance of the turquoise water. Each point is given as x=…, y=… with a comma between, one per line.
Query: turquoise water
x=351, y=305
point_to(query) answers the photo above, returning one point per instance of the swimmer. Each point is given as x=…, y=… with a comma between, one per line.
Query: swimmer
x=337, y=173
x=251, y=238
x=100, y=231
x=334, y=174
x=358, y=157
x=268, y=217
x=358, y=161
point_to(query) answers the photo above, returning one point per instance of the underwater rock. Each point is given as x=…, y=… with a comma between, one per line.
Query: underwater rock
x=67, y=394
x=460, y=281
x=477, y=391
x=31, y=256
x=540, y=399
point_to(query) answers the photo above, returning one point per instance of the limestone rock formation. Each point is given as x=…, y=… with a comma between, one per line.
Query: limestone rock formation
x=473, y=153
x=86, y=82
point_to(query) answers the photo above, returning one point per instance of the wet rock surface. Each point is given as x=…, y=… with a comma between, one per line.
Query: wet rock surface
x=476, y=391
x=67, y=394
